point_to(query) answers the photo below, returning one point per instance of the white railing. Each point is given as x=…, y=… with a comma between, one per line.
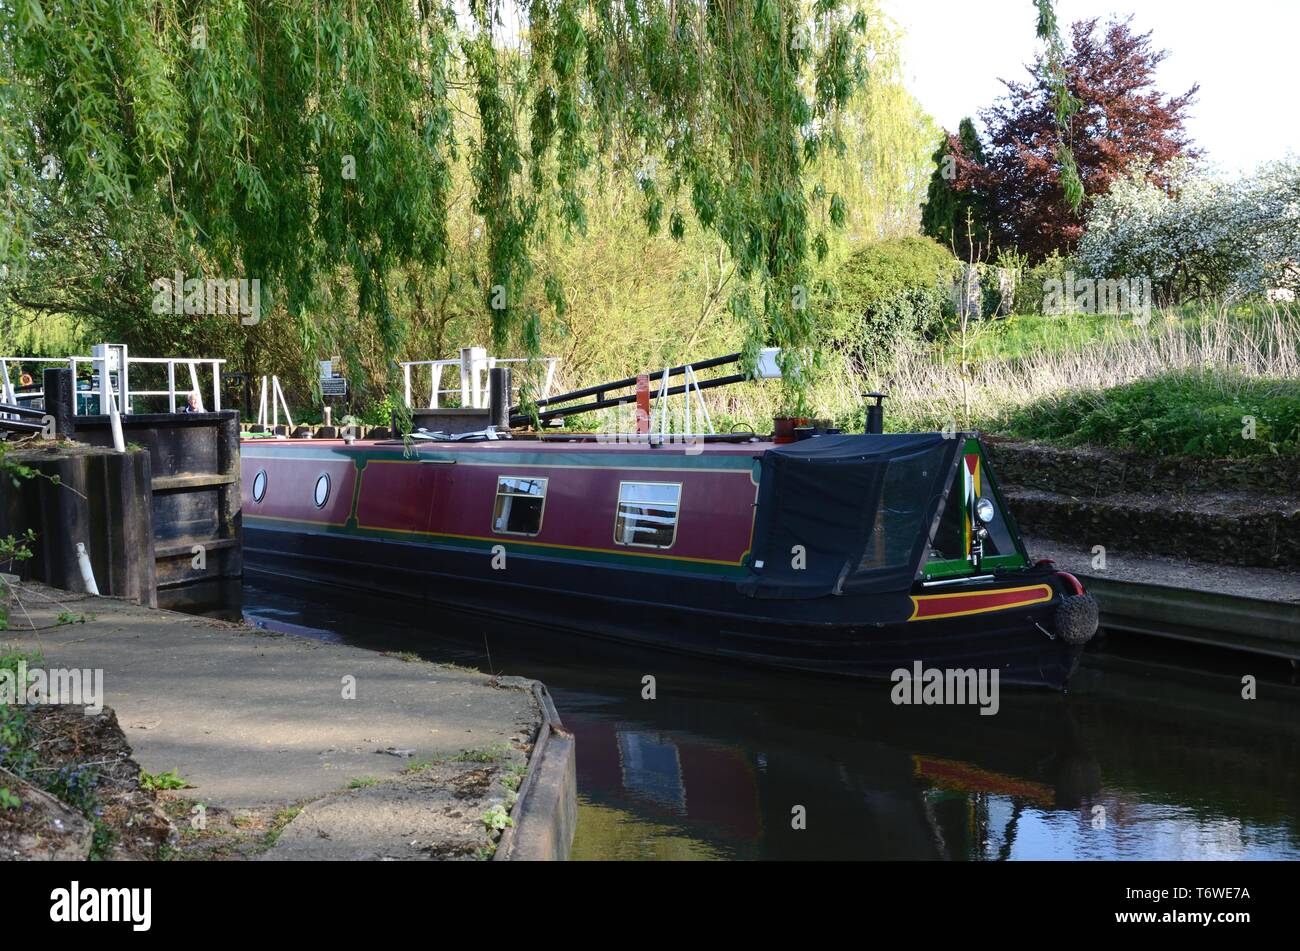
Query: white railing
x=119, y=366
x=276, y=396
x=663, y=408
x=473, y=364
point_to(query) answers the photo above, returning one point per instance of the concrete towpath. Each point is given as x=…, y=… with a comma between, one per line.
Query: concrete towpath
x=391, y=758
x=1270, y=584
x=1216, y=605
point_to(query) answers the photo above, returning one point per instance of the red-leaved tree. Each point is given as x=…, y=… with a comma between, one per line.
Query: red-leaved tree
x=1122, y=119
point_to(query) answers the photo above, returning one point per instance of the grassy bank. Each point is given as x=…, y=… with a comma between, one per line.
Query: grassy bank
x=1209, y=384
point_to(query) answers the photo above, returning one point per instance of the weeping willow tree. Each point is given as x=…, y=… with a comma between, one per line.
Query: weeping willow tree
x=889, y=139
x=310, y=143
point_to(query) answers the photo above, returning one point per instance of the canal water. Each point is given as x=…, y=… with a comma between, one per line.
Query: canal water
x=1154, y=754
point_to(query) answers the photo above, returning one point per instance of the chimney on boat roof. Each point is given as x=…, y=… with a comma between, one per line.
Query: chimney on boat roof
x=875, y=414
x=499, y=398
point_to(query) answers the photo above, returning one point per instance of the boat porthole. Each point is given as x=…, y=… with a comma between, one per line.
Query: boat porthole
x=259, y=485
x=322, y=490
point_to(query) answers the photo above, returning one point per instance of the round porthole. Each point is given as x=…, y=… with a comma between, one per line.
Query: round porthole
x=259, y=485
x=322, y=490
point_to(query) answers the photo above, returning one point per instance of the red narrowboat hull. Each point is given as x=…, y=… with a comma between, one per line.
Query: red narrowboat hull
x=423, y=525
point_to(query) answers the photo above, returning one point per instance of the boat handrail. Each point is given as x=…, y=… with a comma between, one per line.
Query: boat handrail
x=474, y=364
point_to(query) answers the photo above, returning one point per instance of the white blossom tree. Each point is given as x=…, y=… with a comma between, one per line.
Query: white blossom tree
x=1207, y=238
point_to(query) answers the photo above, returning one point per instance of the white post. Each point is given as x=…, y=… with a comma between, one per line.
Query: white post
x=7, y=394
x=663, y=406
x=275, y=382
x=171, y=386
x=550, y=376
x=216, y=386
x=435, y=381
x=479, y=372
x=466, y=364
x=124, y=380
x=194, y=385
x=87, y=572
x=261, y=405
x=406, y=373
x=106, y=395
x=686, y=402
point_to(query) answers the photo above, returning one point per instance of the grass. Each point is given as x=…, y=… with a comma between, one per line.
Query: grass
x=1185, y=383
x=1022, y=336
x=1213, y=413
x=278, y=823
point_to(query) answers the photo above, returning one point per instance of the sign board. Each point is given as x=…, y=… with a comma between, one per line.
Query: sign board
x=334, y=386
x=114, y=351
x=326, y=369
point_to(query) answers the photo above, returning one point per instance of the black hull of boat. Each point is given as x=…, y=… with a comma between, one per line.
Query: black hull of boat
x=697, y=615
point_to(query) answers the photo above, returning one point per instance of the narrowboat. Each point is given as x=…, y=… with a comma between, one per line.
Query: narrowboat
x=841, y=554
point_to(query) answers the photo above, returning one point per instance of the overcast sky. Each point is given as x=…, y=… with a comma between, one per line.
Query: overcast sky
x=1243, y=53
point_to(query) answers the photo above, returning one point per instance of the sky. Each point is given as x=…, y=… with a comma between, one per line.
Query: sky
x=1242, y=52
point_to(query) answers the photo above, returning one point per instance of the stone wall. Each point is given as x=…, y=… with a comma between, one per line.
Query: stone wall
x=1229, y=512
x=1090, y=472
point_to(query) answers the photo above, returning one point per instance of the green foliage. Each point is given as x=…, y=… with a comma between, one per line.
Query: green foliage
x=1034, y=281
x=497, y=818
x=1065, y=104
x=891, y=292
x=310, y=145
x=1197, y=414
x=378, y=412
x=956, y=219
x=168, y=780
x=13, y=548
x=1021, y=336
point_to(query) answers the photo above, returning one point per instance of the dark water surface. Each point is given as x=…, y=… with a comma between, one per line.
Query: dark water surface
x=1153, y=754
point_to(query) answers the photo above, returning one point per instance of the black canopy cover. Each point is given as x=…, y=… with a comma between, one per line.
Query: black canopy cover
x=861, y=507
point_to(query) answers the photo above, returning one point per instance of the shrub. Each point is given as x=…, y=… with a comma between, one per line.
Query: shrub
x=890, y=292
x=1215, y=414
x=1033, y=283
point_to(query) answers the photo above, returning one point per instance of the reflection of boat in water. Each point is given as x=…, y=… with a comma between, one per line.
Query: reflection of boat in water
x=851, y=555
x=1182, y=766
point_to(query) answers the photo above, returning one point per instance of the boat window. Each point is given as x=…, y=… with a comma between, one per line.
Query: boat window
x=259, y=485
x=903, y=503
x=520, y=501
x=647, y=514
x=950, y=540
x=322, y=494
x=999, y=540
